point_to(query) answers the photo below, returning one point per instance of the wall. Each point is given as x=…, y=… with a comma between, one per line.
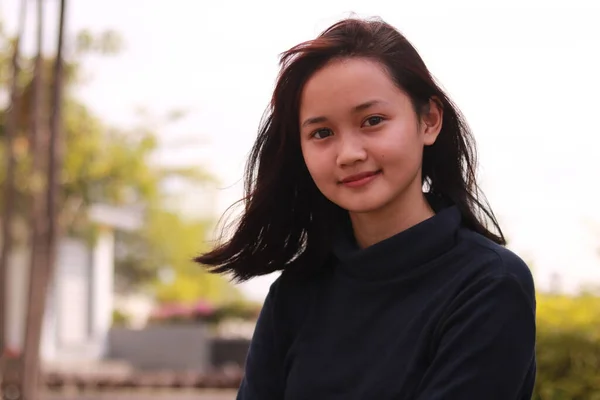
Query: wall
x=173, y=347
x=102, y=288
x=226, y=352
x=79, y=307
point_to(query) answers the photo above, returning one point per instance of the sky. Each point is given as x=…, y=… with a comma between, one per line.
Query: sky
x=524, y=73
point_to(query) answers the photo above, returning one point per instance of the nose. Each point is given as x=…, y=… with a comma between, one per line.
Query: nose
x=351, y=150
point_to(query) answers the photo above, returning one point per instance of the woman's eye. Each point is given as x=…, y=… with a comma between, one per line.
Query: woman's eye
x=372, y=121
x=322, y=133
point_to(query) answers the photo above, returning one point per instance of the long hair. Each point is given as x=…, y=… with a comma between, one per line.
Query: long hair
x=287, y=223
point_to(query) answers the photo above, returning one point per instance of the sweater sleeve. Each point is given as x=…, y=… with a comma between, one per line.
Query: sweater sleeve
x=263, y=378
x=485, y=347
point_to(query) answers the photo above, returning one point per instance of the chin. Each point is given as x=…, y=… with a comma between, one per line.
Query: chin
x=362, y=207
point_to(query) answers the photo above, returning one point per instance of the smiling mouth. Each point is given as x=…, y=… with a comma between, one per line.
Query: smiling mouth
x=360, y=179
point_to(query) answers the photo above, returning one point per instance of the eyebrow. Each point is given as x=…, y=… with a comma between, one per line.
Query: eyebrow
x=355, y=109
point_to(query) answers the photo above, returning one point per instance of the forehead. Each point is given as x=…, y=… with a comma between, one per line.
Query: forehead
x=342, y=84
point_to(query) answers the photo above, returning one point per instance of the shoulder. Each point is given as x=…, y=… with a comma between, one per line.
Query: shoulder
x=492, y=287
x=290, y=300
x=292, y=290
x=498, y=265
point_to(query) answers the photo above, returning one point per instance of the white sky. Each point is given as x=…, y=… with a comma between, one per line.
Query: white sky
x=525, y=74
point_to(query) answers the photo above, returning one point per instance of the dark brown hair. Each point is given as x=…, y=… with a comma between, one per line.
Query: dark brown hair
x=287, y=223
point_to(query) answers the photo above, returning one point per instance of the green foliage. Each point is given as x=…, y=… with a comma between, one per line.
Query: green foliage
x=109, y=42
x=568, y=348
x=167, y=244
x=119, y=318
x=104, y=164
x=179, y=241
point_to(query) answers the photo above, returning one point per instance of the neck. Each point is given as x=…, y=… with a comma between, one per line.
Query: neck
x=373, y=227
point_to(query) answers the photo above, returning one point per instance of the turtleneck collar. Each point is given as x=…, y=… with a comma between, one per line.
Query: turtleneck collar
x=402, y=252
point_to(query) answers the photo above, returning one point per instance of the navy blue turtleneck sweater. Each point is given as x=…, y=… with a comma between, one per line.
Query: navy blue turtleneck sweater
x=436, y=312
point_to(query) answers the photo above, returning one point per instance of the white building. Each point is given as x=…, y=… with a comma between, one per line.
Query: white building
x=80, y=298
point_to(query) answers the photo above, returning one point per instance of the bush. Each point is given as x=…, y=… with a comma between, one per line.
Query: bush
x=119, y=318
x=238, y=310
x=568, y=350
x=204, y=312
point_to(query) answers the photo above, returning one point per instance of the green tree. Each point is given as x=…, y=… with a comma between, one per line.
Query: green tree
x=166, y=245
x=105, y=164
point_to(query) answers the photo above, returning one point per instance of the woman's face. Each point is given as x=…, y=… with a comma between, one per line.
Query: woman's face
x=361, y=138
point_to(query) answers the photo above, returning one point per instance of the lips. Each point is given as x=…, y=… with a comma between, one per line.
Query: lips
x=359, y=179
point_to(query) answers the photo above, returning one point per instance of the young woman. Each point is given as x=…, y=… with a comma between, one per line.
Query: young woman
x=361, y=188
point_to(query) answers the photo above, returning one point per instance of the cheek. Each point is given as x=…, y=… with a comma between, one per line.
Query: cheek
x=400, y=148
x=318, y=173
x=400, y=159
x=314, y=164
x=321, y=171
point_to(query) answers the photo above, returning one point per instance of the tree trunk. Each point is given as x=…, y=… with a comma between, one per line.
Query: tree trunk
x=38, y=140
x=40, y=279
x=38, y=150
x=9, y=189
x=10, y=363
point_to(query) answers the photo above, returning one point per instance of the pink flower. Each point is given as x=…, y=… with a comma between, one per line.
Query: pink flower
x=202, y=308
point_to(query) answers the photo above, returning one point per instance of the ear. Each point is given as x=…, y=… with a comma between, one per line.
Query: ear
x=431, y=121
